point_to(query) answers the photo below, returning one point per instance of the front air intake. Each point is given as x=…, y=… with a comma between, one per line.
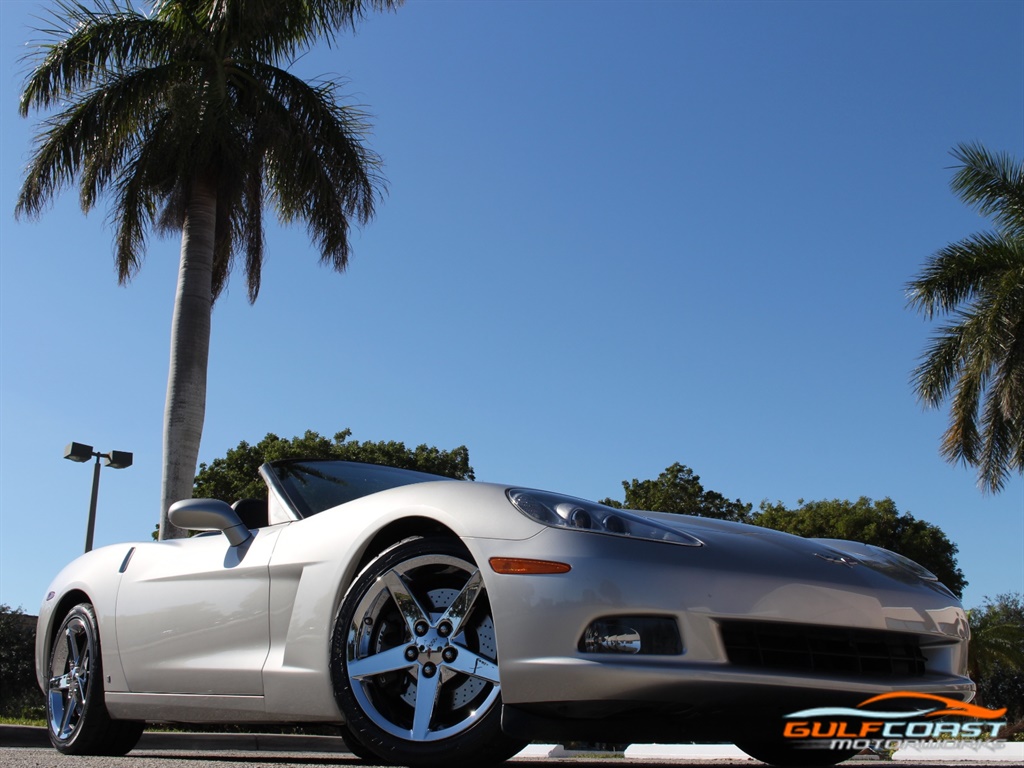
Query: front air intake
x=821, y=650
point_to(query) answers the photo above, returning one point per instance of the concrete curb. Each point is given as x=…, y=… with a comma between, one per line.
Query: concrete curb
x=245, y=742
x=1002, y=752
x=686, y=751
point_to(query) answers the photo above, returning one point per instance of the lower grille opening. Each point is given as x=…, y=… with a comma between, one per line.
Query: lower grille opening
x=823, y=650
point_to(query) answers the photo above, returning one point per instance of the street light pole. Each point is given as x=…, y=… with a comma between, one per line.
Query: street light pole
x=92, y=504
x=82, y=453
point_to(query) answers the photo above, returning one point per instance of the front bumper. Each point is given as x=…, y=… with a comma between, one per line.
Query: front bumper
x=773, y=579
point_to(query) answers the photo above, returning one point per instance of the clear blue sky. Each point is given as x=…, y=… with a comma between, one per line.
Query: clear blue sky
x=618, y=235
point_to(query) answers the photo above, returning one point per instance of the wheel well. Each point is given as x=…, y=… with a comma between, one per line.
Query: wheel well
x=391, y=534
x=69, y=601
x=399, y=530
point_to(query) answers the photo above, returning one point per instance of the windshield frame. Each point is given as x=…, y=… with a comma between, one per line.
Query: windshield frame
x=360, y=480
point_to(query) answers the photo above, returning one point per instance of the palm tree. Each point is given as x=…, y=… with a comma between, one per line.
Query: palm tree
x=977, y=359
x=997, y=641
x=188, y=118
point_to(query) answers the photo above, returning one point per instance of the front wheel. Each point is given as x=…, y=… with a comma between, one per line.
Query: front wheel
x=355, y=746
x=75, y=713
x=414, y=659
x=784, y=755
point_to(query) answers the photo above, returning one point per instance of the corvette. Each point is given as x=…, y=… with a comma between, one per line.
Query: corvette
x=434, y=620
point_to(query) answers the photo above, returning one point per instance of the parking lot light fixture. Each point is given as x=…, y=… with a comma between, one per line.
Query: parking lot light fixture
x=81, y=452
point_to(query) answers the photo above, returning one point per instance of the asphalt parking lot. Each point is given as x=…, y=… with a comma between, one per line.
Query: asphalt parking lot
x=35, y=757
x=28, y=747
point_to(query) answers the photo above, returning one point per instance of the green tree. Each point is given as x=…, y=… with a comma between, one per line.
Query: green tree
x=996, y=653
x=679, y=490
x=872, y=522
x=236, y=474
x=977, y=359
x=189, y=119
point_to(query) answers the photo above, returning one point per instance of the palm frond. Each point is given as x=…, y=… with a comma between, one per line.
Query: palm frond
x=61, y=151
x=995, y=640
x=253, y=230
x=977, y=361
x=954, y=274
x=124, y=111
x=993, y=183
x=962, y=441
x=318, y=168
x=271, y=30
x=135, y=206
x=997, y=448
x=224, y=236
x=103, y=42
x=298, y=20
x=940, y=366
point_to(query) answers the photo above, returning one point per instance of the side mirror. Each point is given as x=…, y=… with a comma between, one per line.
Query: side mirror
x=209, y=515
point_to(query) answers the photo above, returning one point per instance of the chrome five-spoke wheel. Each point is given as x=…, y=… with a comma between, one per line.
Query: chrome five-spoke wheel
x=75, y=712
x=70, y=665
x=415, y=658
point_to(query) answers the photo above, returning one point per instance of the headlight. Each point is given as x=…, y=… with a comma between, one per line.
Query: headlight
x=575, y=514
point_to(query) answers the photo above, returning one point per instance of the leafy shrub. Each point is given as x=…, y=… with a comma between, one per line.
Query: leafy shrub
x=19, y=694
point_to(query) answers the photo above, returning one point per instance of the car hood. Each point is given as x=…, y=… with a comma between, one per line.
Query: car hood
x=744, y=539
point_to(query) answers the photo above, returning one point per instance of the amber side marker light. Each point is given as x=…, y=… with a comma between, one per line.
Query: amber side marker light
x=521, y=566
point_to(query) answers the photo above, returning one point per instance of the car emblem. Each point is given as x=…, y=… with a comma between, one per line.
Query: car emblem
x=837, y=559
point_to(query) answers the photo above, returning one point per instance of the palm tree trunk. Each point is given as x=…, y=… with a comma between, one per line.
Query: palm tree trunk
x=185, y=408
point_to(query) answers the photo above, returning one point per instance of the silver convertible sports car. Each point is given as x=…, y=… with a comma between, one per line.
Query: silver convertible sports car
x=435, y=620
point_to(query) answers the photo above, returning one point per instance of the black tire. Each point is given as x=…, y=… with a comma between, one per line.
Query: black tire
x=417, y=621
x=355, y=746
x=785, y=755
x=77, y=718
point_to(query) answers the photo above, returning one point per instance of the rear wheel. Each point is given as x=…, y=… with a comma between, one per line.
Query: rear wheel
x=78, y=722
x=414, y=660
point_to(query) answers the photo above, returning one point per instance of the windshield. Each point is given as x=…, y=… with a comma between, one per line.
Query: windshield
x=313, y=486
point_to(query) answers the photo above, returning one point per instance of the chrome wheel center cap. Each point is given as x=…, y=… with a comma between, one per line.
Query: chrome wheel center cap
x=430, y=646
